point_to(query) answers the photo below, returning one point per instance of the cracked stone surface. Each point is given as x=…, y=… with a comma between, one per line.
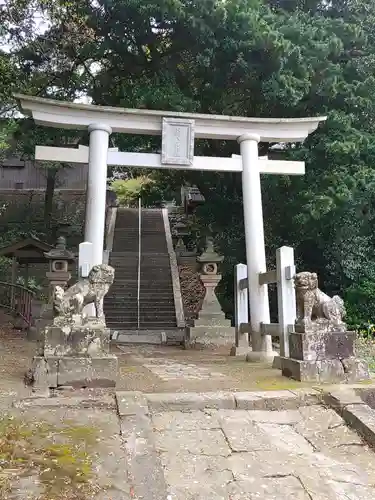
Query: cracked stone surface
x=171, y=370
x=305, y=454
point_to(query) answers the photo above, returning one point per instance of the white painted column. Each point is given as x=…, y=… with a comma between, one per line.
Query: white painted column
x=241, y=311
x=97, y=189
x=255, y=248
x=286, y=295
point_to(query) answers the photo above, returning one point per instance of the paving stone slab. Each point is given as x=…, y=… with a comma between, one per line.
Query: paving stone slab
x=171, y=370
x=199, y=492
x=316, y=419
x=262, y=463
x=338, y=471
x=286, y=417
x=108, y=454
x=362, y=419
x=187, y=421
x=271, y=488
x=308, y=396
x=344, y=490
x=131, y=403
x=200, y=441
x=333, y=438
x=195, y=470
x=190, y=401
x=244, y=435
x=104, y=401
x=338, y=399
x=144, y=469
x=268, y=400
x=286, y=438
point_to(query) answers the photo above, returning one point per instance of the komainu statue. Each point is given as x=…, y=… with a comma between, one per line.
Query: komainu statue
x=315, y=305
x=90, y=290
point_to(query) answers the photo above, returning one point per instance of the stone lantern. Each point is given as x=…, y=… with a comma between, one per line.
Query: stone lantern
x=58, y=275
x=59, y=259
x=211, y=327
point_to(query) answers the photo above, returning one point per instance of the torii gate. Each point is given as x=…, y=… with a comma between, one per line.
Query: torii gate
x=178, y=132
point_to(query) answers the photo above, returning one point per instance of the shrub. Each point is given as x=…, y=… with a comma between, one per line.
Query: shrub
x=360, y=305
x=128, y=191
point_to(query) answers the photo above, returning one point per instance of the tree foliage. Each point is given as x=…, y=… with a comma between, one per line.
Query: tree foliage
x=271, y=58
x=129, y=191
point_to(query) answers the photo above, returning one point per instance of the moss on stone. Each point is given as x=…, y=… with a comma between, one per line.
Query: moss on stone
x=60, y=459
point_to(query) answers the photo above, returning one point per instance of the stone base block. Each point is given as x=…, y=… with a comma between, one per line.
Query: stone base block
x=321, y=345
x=261, y=357
x=276, y=362
x=44, y=372
x=212, y=335
x=74, y=371
x=325, y=370
x=72, y=340
x=238, y=350
x=212, y=320
x=88, y=372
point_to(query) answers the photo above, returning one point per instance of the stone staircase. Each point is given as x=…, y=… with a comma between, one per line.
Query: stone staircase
x=156, y=306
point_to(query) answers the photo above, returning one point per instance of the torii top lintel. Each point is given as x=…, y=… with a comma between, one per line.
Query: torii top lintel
x=60, y=114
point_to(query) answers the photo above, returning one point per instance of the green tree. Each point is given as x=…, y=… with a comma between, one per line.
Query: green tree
x=277, y=58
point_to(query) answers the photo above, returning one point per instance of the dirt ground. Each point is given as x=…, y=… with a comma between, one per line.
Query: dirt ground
x=150, y=369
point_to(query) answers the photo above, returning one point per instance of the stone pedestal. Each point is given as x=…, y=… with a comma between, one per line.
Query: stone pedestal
x=74, y=371
x=211, y=327
x=74, y=348
x=321, y=354
x=75, y=355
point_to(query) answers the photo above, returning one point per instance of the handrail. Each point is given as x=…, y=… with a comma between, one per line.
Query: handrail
x=139, y=260
x=17, y=299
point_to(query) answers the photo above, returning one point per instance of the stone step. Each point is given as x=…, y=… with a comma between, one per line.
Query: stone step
x=151, y=285
x=147, y=292
x=146, y=289
x=123, y=309
x=148, y=284
x=148, y=337
x=145, y=277
x=132, y=306
x=135, y=254
x=126, y=306
x=144, y=313
x=145, y=325
x=132, y=265
x=144, y=304
x=144, y=298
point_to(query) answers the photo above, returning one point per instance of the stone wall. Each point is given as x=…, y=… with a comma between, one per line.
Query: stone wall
x=192, y=291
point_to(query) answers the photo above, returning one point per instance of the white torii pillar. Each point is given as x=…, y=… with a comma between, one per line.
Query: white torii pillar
x=255, y=248
x=97, y=189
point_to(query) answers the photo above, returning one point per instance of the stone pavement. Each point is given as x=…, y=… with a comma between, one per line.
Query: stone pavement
x=172, y=369
x=305, y=452
x=210, y=446
x=171, y=442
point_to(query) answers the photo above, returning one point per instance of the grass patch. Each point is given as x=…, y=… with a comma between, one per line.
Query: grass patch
x=365, y=348
x=60, y=459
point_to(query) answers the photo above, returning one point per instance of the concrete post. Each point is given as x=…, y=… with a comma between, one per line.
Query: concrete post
x=241, y=310
x=255, y=248
x=97, y=189
x=84, y=267
x=286, y=295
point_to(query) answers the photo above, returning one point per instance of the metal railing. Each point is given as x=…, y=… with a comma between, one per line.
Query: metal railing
x=139, y=260
x=16, y=299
